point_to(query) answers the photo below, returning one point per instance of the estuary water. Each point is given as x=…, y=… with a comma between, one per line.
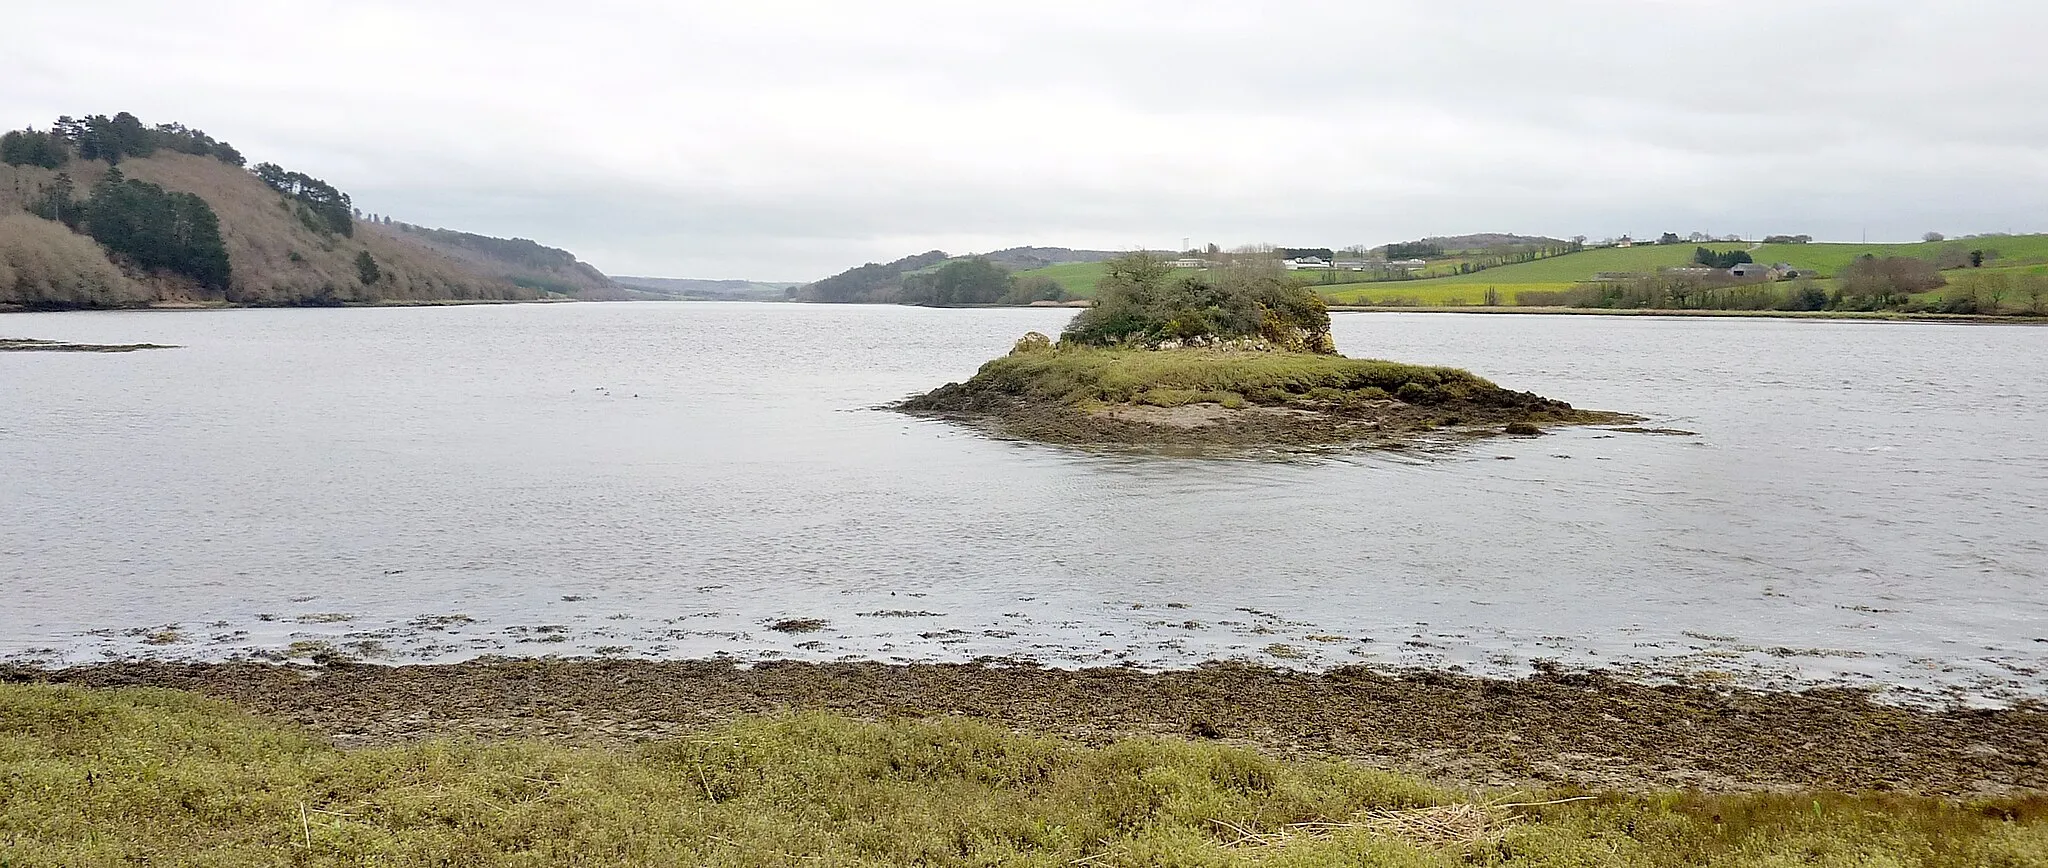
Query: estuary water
x=1860, y=502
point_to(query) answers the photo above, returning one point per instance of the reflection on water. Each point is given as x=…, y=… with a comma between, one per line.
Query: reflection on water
x=1861, y=501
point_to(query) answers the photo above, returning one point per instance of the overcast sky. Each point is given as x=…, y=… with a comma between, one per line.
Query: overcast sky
x=786, y=141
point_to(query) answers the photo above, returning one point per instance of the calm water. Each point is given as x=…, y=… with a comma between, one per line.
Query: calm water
x=1862, y=501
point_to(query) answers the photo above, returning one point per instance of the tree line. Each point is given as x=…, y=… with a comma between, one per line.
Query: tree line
x=1708, y=257
x=321, y=207
x=933, y=278
x=111, y=139
x=976, y=281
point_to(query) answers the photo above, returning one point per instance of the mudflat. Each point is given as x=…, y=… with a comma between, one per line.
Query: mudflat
x=1556, y=729
x=24, y=345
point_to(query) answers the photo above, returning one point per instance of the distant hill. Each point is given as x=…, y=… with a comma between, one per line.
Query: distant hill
x=1028, y=258
x=873, y=283
x=109, y=212
x=1451, y=245
x=707, y=290
x=1491, y=240
x=516, y=260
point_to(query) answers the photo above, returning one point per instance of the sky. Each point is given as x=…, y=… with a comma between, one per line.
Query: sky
x=786, y=141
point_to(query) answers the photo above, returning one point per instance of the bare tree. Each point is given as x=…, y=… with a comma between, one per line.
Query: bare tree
x=1991, y=291
x=1932, y=237
x=2035, y=288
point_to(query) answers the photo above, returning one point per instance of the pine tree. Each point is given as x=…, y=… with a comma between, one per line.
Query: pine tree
x=57, y=202
x=366, y=268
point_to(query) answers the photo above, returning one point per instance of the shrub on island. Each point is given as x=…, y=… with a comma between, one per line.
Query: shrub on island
x=1145, y=302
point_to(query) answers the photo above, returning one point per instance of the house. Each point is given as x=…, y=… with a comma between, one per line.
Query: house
x=1300, y=262
x=1755, y=270
x=1188, y=262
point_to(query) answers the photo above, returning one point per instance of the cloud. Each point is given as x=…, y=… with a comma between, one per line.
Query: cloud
x=785, y=140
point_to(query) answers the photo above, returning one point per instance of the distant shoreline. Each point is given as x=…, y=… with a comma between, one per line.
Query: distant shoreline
x=1838, y=315
x=224, y=305
x=1831, y=315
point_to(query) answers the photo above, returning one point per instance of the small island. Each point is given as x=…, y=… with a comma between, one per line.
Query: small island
x=28, y=345
x=1241, y=358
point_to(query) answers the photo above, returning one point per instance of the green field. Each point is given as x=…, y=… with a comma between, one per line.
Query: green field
x=2015, y=254
x=159, y=777
x=1079, y=278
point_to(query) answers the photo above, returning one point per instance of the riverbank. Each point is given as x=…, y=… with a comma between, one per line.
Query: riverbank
x=1848, y=315
x=1554, y=730
x=122, y=776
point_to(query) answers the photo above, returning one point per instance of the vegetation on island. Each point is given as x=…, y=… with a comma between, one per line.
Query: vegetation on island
x=107, y=211
x=1143, y=301
x=1238, y=357
x=152, y=775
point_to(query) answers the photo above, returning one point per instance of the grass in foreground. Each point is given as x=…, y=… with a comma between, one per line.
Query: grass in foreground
x=162, y=777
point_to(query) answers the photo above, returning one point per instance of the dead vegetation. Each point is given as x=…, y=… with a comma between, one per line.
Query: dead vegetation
x=275, y=258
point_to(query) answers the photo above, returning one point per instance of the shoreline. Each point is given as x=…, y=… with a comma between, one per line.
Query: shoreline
x=1554, y=729
x=223, y=305
x=1823, y=315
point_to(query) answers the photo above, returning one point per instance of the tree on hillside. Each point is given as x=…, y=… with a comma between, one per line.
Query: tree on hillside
x=326, y=209
x=158, y=229
x=366, y=268
x=1707, y=257
x=963, y=281
x=873, y=282
x=1415, y=250
x=57, y=201
x=30, y=147
x=1670, y=238
x=1933, y=237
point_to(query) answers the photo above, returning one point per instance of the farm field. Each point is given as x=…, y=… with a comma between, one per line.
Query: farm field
x=2016, y=254
x=2013, y=255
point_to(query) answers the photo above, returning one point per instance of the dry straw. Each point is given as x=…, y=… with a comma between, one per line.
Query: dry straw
x=1459, y=826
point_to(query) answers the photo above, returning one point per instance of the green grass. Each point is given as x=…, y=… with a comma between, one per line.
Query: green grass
x=161, y=777
x=1562, y=272
x=1078, y=278
x=1170, y=378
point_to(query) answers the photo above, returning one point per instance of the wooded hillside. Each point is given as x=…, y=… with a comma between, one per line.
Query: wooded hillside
x=109, y=212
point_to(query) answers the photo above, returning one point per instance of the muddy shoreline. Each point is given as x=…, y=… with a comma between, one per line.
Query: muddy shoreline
x=30, y=345
x=1554, y=730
